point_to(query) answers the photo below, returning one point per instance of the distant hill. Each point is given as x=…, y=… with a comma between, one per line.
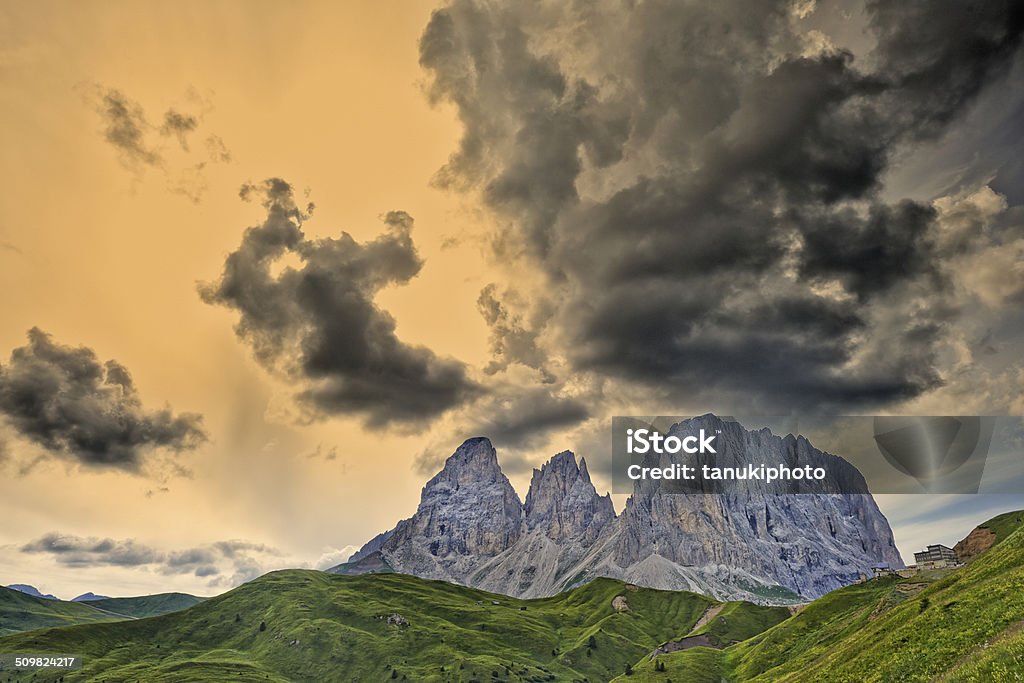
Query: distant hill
x=146, y=605
x=87, y=597
x=22, y=612
x=31, y=590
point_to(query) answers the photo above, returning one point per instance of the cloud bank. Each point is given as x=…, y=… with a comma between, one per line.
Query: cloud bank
x=700, y=190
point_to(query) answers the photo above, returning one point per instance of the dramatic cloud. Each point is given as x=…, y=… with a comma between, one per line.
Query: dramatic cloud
x=318, y=323
x=697, y=189
x=512, y=341
x=65, y=400
x=225, y=563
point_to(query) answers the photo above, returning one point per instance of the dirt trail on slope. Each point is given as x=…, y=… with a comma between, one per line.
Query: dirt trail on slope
x=709, y=614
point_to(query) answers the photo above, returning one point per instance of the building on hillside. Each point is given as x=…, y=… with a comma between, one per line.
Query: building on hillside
x=880, y=570
x=936, y=555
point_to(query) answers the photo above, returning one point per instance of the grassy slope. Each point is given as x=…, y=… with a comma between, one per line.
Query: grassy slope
x=962, y=625
x=21, y=612
x=940, y=629
x=741, y=620
x=146, y=605
x=1003, y=525
x=736, y=622
x=327, y=627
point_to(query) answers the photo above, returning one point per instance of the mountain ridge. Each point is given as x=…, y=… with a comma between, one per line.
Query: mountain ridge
x=758, y=545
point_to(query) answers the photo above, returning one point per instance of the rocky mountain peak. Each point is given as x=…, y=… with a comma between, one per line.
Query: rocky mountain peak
x=475, y=461
x=563, y=503
x=471, y=528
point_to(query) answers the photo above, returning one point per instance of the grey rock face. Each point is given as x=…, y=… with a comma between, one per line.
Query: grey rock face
x=563, y=504
x=468, y=513
x=564, y=516
x=758, y=544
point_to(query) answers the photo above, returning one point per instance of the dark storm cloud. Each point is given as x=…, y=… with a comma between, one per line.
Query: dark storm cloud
x=704, y=192
x=319, y=324
x=511, y=340
x=179, y=125
x=241, y=559
x=64, y=399
x=521, y=418
x=125, y=128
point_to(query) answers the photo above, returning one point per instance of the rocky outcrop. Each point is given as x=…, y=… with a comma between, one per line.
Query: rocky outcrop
x=758, y=544
x=563, y=516
x=468, y=513
x=975, y=543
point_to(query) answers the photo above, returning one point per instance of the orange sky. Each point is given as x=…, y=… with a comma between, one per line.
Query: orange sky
x=328, y=96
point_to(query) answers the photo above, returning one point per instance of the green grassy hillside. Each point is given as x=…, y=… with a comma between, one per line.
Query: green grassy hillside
x=302, y=625
x=944, y=625
x=964, y=624
x=146, y=605
x=738, y=621
x=21, y=612
x=1003, y=525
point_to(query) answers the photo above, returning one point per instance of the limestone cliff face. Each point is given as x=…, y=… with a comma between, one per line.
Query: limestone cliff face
x=563, y=504
x=468, y=513
x=564, y=516
x=762, y=545
x=808, y=544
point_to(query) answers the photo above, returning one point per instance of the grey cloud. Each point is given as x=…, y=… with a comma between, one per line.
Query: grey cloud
x=137, y=142
x=179, y=125
x=511, y=340
x=217, y=150
x=231, y=562
x=705, y=199
x=125, y=128
x=66, y=400
x=319, y=325
x=518, y=418
x=76, y=551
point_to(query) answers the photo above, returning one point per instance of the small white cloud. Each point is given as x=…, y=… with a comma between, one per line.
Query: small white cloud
x=334, y=556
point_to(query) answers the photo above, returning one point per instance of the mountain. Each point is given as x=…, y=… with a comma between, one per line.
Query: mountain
x=470, y=528
x=31, y=590
x=467, y=512
x=303, y=625
x=20, y=611
x=88, y=597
